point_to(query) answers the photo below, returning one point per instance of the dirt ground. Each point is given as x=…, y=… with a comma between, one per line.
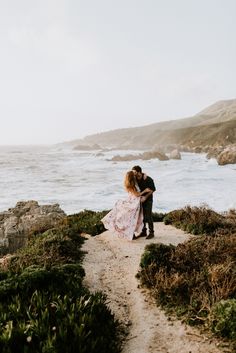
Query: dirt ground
x=111, y=265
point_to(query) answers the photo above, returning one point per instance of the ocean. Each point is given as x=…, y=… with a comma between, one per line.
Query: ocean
x=89, y=180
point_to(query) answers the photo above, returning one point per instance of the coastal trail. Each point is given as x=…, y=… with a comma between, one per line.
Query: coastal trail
x=111, y=265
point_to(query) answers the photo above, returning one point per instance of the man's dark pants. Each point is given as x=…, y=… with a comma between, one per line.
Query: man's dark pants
x=147, y=216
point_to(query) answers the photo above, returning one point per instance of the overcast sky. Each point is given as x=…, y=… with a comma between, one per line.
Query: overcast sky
x=69, y=68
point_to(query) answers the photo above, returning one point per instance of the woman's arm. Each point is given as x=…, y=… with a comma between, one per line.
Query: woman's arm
x=144, y=198
x=135, y=192
x=145, y=191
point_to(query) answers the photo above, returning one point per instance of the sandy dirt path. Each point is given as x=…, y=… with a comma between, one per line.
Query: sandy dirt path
x=111, y=265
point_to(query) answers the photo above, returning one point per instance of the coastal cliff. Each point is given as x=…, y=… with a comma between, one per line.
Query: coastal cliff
x=212, y=128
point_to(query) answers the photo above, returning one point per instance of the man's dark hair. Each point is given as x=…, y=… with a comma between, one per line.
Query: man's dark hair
x=137, y=168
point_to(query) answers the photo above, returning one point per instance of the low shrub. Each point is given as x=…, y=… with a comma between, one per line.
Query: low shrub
x=223, y=318
x=158, y=217
x=158, y=254
x=3, y=275
x=196, y=220
x=87, y=221
x=56, y=246
x=66, y=279
x=193, y=276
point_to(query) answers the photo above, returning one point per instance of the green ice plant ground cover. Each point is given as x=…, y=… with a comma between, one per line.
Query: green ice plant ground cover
x=44, y=306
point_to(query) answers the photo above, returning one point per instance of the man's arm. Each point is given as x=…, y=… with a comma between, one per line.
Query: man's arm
x=151, y=185
x=146, y=196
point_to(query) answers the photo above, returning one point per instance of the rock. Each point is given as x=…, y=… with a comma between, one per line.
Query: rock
x=4, y=261
x=197, y=149
x=87, y=147
x=213, y=152
x=227, y=156
x=175, y=154
x=143, y=156
x=18, y=224
x=127, y=157
x=155, y=154
x=205, y=149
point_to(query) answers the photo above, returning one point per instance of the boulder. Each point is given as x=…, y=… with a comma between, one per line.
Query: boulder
x=127, y=157
x=227, y=156
x=154, y=154
x=87, y=147
x=197, y=149
x=175, y=154
x=213, y=152
x=18, y=224
x=205, y=149
x=144, y=156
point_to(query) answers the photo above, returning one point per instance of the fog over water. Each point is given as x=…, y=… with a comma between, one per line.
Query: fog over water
x=70, y=68
x=82, y=180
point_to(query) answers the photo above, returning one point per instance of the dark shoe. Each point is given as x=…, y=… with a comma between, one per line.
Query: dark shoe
x=150, y=235
x=134, y=237
x=143, y=234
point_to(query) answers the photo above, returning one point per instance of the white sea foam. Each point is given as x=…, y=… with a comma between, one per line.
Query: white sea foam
x=81, y=180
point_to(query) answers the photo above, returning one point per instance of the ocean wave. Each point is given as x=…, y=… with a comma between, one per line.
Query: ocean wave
x=83, y=181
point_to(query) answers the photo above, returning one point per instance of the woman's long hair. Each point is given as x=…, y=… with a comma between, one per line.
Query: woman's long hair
x=130, y=182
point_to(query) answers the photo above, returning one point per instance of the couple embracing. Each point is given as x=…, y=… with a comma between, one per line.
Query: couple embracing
x=129, y=217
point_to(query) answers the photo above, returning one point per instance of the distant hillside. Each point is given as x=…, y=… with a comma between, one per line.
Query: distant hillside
x=215, y=125
x=203, y=135
x=220, y=111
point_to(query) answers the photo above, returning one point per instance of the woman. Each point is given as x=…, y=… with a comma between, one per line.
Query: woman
x=126, y=218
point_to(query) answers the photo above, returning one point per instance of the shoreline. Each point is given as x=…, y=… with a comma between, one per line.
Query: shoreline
x=79, y=182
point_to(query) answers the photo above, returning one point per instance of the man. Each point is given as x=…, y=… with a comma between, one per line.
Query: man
x=144, y=181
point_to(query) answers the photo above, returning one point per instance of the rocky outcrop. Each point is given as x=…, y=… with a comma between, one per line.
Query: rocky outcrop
x=223, y=154
x=213, y=152
x=227, y=156
x=18, y=224
x=144, y=156
x=175, y=154
x=194, y=149
x=127, y=157
x=155, y=154
x=212, y=126
x=197, y=149
x=87, y=147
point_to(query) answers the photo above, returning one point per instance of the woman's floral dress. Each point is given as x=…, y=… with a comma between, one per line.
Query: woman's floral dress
x=126, y=218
